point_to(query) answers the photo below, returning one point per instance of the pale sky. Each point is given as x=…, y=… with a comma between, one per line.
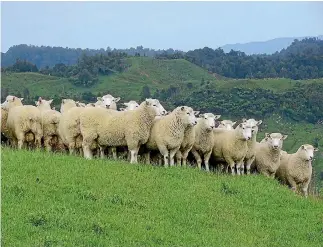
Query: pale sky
x=158, y=25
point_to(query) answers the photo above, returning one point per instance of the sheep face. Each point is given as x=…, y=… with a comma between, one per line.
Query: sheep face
x=254, y=125
x=156, y=106
x=226, y=124
x=209, y=120
x=245, y=129
x=188, y=115
x=306, y=151
x=275, y=140
x=131, y=105
x=108, y=101
x=11, y=101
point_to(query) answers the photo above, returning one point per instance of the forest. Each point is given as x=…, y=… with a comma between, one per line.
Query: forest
x=303, y=59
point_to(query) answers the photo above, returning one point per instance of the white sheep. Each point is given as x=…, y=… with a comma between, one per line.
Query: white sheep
x=108, y=101
x=22, y=120
x=50, y=121
x=204, y=139
x=131, y=105
x=226, y=124
x=267, y=159
x=167, y=133
x=128, y=128
x=230, y=146
x=296, y=169
x=251, y=154
x=67, y=104
x=187, y=143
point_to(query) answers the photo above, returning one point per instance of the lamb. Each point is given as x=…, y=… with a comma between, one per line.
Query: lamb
x=50, y=121
x=226, y=124
x=231, y=145
x=250, y=156
x=267, y=159
x=204, y=140
x=187, y=144
x=67, y=104
x=129, y=128
x=22, y=120
x=167, y=133
x=296, y=169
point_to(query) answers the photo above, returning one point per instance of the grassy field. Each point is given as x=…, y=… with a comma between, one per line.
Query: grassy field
x=57, y=200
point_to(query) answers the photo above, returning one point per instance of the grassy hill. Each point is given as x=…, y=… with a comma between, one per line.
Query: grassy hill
x=57, y=200
x=188, y=78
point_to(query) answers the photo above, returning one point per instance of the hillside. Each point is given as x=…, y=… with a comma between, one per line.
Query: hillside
x=264, y=47
x=56, y=200
x=292, y=107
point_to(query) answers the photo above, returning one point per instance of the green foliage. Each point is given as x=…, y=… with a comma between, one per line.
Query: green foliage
x=301, y=60
x=22, y=66
x=56, y=200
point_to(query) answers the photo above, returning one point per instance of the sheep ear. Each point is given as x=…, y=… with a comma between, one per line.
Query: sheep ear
x=244, y=120
x=21, y=99
x=50, y=101
x=126, y=104
x=99, y=99
x=217, y=117
x=233, y=123
x=40, y=99
x=36, y=102
x=316, y=149
x=259, y=122
x=284, y=137
x=201, y=115
x=147, y=102
x=303, y=147
x=240, y=125
x=13, y=98
x=182, y=108
x=196, y=113
x=116, y=99
x=267, y=135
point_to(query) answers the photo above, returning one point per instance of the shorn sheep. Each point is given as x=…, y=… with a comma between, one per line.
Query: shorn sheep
x=129, y=128
x=296, y=169
x=231, y=146
x=268, y=153
x=167, y=133
x=23, y=123
x=204, y=140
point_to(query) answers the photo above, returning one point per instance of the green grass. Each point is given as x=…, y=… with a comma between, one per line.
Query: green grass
x=57, y=200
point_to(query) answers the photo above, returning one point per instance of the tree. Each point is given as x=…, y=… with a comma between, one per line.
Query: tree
x=145, y=93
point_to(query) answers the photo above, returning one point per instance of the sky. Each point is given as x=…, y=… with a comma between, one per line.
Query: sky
x=157, y=25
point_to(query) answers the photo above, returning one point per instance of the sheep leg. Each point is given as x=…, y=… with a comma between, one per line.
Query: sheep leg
x=102, y=154
x=231, y=163
x=21, y=140
x=248, y=164
x=178, y=158
x=184, y=158
x=206, y=160
x=197, y=158
x=134, y=157
x=164, y=151
x=240, y=167
x=114, y=152
x=147, y=157
x=171, y=156
x=304, y=187
x=47, y=145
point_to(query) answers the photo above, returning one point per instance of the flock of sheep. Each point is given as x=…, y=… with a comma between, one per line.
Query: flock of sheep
x=99, y=128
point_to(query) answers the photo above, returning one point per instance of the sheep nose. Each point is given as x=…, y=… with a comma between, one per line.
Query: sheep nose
x=275, y=146
x=107, y=106
x=311, y=157
x=164, y=112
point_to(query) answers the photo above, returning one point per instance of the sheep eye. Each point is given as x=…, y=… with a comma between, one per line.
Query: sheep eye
x=154, y=105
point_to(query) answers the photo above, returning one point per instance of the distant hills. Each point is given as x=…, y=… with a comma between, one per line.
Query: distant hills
x=264, y=47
